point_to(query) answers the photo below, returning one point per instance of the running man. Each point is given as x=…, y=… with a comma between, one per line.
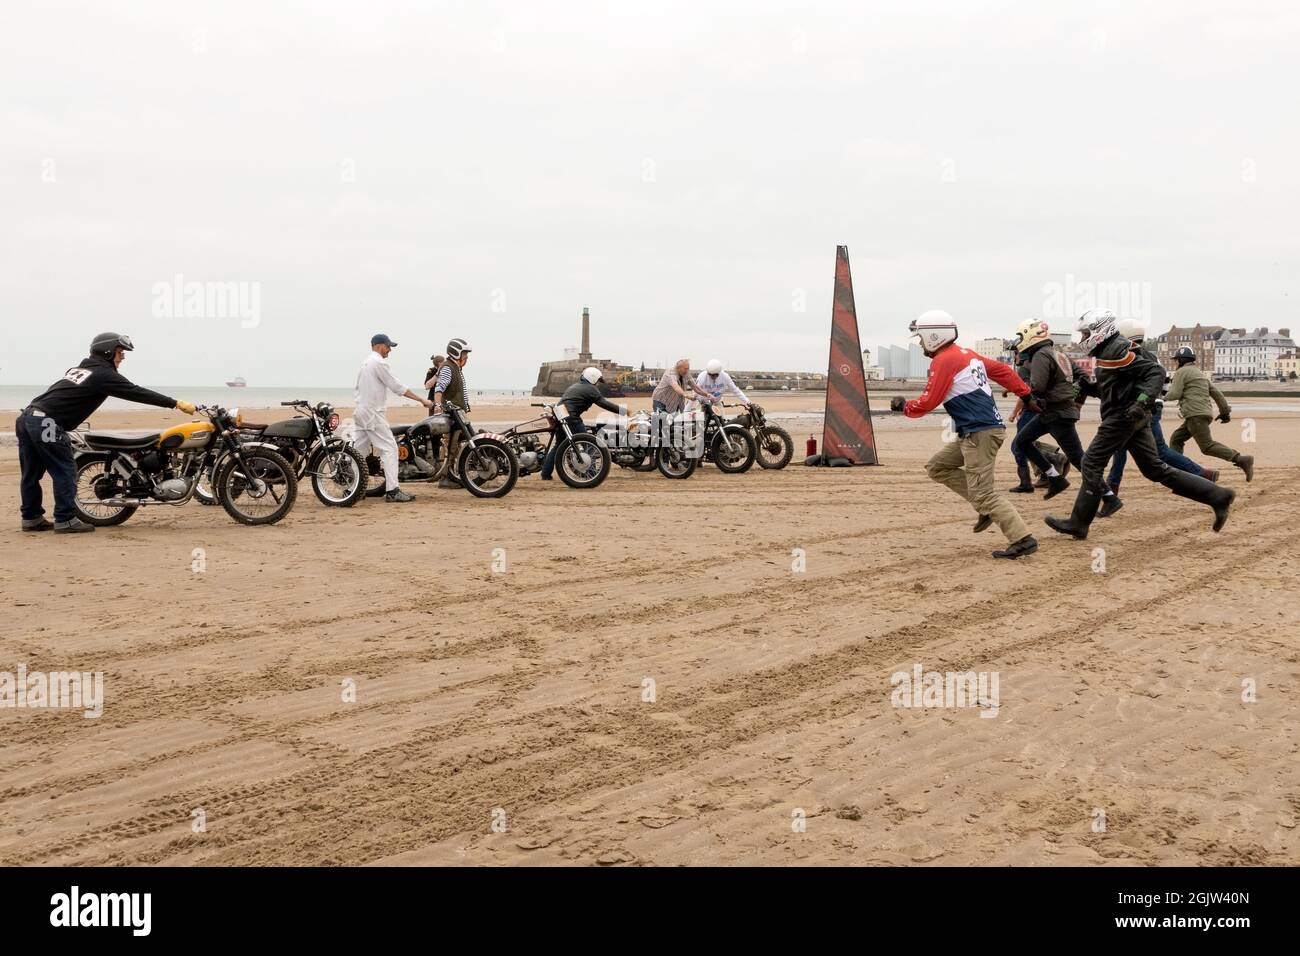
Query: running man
x=959, y=378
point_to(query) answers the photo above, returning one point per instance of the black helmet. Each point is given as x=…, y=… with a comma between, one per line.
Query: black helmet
x=456, y=348
x=107, y=343
x=1184, y=355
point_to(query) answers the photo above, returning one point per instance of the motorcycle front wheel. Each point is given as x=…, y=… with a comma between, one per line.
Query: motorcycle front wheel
x=261, y=493
x=675, y=463
x=340, y=477
x=582, y=461
x=775, y=447
x=489, y=469
x=732, y=450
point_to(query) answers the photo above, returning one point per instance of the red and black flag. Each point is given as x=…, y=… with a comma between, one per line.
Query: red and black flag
x=847, y=432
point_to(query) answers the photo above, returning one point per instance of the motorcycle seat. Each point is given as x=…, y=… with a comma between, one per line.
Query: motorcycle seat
x=131, y=440
x=401, y=429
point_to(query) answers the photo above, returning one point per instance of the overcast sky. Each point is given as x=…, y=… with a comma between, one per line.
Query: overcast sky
x=684, y=169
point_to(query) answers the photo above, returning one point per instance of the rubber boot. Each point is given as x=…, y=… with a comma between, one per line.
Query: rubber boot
x=1055, y=486
x=1187, y=485
x=1085, y=509
x=1247, y=464
x=1109, y=505
x=1026, y=485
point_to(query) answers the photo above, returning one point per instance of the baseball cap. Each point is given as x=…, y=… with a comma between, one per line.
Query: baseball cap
x=382, y=339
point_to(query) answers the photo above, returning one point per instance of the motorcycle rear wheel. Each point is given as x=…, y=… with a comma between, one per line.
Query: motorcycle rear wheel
x=90, y=468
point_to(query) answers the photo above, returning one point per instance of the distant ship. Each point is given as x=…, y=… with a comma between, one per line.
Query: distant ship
x=236, y=382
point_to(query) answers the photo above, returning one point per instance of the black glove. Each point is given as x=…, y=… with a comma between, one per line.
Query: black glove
x=1138, y=413
x=1226, y=417
x=896, y=403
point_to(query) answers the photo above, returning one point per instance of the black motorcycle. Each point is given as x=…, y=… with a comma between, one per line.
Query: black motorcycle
x=727, y=444
x=581, y=458
x=647, y=441
x=485, y=463
x=773, y=443
x=117, y=474
x=307, y=441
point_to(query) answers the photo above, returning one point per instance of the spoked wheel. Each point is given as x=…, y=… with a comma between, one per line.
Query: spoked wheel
x=732, y=450
x=582, y=461
x=675, y=463
x=489, y=469
x=95, y=484
x=340, y=477
x=775, y=447
x=260, y=490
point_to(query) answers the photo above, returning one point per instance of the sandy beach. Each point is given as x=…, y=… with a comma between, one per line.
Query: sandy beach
x=509, y=716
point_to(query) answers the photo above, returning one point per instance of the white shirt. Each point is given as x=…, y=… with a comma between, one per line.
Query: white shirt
x=374, y=381
x=717, y=387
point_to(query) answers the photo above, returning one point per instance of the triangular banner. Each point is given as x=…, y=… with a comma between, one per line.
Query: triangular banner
x=847, y=431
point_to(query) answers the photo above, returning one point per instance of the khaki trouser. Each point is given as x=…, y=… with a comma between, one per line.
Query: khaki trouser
x=1198, y=428
x=966, y=466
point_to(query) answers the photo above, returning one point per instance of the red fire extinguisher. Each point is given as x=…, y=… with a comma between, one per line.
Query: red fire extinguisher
x=811, y=446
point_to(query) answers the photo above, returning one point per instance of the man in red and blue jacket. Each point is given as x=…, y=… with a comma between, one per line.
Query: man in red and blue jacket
x=959, y=378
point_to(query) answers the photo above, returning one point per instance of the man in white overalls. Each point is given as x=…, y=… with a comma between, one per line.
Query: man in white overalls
x=374, y=382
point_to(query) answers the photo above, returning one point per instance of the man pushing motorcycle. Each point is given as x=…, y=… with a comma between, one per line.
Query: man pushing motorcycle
x=449, y=386
x=374, y=381
x=43, y=443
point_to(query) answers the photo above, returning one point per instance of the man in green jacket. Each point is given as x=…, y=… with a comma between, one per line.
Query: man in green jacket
x=1193, y=391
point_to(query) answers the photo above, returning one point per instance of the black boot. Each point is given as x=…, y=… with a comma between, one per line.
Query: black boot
x=1109, y=505
x=1055, y=486
x=1085, y=509
x=1187, y=485
x=1026, y=485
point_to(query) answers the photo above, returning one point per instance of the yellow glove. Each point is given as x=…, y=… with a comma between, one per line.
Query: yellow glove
x=186, y=407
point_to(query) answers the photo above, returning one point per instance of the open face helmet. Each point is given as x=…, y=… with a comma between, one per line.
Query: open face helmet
x=1030, y=332
x=1131, y=329
x=107, y=344
x=714, y=367
x=591, y=375
x=934, y=330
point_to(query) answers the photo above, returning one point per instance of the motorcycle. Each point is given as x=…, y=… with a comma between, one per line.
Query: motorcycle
x=726, y=443
x=773, y=444
x=485, y=465
x=307, y=441
x=581, y=458
x=638, y=443
x=117, y=474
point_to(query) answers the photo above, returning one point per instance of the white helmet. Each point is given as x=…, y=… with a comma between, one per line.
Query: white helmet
x=591, y=374
x=1095, y=327
x=1131, y=329
x=934, y=330
x=1030, y=332
x=714, y=367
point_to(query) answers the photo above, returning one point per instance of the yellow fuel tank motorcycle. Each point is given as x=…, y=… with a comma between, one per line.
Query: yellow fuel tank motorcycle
x=116, y=474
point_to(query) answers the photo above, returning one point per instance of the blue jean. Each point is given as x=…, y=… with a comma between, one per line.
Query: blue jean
x=1021, y=424
x=1065, y=432
x=548, y=463
x=1170, y=457
x=44, y=447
